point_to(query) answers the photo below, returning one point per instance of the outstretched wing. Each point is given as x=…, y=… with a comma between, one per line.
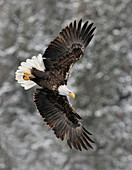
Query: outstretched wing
x=64, y=121
x=65, y=50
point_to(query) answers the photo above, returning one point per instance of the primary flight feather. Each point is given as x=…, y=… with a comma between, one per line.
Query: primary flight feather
x=51, y=72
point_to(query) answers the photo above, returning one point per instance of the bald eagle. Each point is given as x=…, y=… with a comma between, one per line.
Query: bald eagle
x=51, y=72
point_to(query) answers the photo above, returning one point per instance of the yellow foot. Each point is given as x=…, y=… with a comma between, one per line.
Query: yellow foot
x=27, y=73
x=26, y=77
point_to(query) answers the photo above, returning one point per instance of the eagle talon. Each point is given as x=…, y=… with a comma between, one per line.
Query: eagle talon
x=26, y=77
x=27, y=73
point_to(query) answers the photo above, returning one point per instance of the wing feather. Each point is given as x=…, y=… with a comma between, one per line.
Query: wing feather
x=79, y=28
x=76, y=140
x=69, y=46
x=71, y=33
x=83, y=29
x=87, y=30
x=74, y=32
x=58, y=114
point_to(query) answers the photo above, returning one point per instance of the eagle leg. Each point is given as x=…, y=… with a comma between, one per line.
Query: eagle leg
x=27, y=76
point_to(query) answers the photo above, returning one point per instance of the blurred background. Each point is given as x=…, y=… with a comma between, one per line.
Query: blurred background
x=101, y=80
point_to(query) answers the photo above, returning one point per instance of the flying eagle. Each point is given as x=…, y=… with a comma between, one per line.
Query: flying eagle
x=51, y=72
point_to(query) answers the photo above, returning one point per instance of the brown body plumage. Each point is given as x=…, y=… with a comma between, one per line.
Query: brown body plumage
x=59, y=73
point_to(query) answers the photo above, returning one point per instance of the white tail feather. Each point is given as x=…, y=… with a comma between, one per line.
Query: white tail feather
x=34, y=62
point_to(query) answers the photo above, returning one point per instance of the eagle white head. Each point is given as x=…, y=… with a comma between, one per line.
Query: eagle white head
x=63, y=90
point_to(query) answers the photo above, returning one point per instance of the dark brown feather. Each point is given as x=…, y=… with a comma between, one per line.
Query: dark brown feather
x=83, y=29
x=74, y=32
x=79, y=28
x=87, y=30
x=59, y=115
x=71, y=43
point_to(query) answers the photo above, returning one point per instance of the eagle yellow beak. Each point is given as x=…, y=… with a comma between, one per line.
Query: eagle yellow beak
x=72, y=95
